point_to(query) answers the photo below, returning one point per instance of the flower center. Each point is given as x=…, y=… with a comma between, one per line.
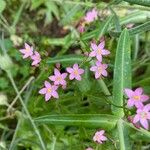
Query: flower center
x=99, y=51
x=136, y=97
x=143, y=115
x=49, y=90
x=59, y=78
x=76, y=72
x=100, y=70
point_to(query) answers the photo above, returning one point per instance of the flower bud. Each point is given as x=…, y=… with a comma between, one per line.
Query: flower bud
x=5, y=62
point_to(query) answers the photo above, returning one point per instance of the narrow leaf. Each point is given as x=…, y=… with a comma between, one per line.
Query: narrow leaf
x=122, y=71
x=67, y=59
x=139, y=2
x=86, y=120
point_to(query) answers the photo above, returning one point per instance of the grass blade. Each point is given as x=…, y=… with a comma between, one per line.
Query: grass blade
x=122, y=71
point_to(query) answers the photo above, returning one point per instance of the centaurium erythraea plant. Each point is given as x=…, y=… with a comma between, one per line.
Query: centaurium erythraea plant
x=136, y=97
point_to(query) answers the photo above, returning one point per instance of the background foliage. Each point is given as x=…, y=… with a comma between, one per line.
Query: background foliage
x=86, y=106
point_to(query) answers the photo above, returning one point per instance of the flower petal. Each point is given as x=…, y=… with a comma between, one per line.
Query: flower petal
x=136, y=118
x=47, y=96
x=69, y=69
x=101, y=45
x=130, y=103
x=105, y=52
x=94, y=46
x=129, y=92
x=144, y=123
x=43, y=91
x=47, y=84
x=144, y=98
x=138, y=91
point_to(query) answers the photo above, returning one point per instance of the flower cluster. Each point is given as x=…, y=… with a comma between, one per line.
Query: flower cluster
x=137, y=98
x=98, y=51
x=59, y=79
x=28, y=52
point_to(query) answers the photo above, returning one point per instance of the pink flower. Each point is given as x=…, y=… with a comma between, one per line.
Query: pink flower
x=91, y=16
x=49, y=91
x=27, y=51
x=99, y=69
x=75, y=72
x=36, y=59
x=143, y=115
x=136, y=97
x=98, y=51
x=99, y=137
x=89, y=148
x=58, y=78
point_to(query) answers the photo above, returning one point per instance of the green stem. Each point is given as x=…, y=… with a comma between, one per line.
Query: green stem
x=26, y=110
x=104, y=87
x=121, y=135
x=18, y=14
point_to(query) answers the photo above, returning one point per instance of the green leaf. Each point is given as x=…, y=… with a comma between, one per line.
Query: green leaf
x=67, y=59
x=139, y=2
x=2, y=5
x=85, y=120
x=141, y=131
x=98, y=32
x=36, y=3
x=136, y=30
x=51, y=9
x=123, y=136
x=122, y=71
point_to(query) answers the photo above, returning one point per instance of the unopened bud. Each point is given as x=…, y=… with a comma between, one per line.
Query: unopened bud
x=5, y=62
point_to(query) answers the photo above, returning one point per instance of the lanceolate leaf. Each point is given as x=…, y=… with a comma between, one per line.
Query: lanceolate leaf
x=139, y=2
x=67, y=59
x=86, y=120
x=122, y=71
x=123, y=134
x=136, y=30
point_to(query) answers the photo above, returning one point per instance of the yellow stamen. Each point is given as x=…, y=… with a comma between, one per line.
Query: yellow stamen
x=49, y=90
x=136, y=97
x=99, y=51
x=76, y=72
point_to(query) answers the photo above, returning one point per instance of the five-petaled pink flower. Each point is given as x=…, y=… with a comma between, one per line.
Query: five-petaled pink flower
x=99, y=69
x=58, y=78
x=36, y=59
x=99, y=137
x=75, y=72
x=91, y=16
x=98, y=51
x=49, y=91
x=143, y=115
x=136, y=98
x=27, y=51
